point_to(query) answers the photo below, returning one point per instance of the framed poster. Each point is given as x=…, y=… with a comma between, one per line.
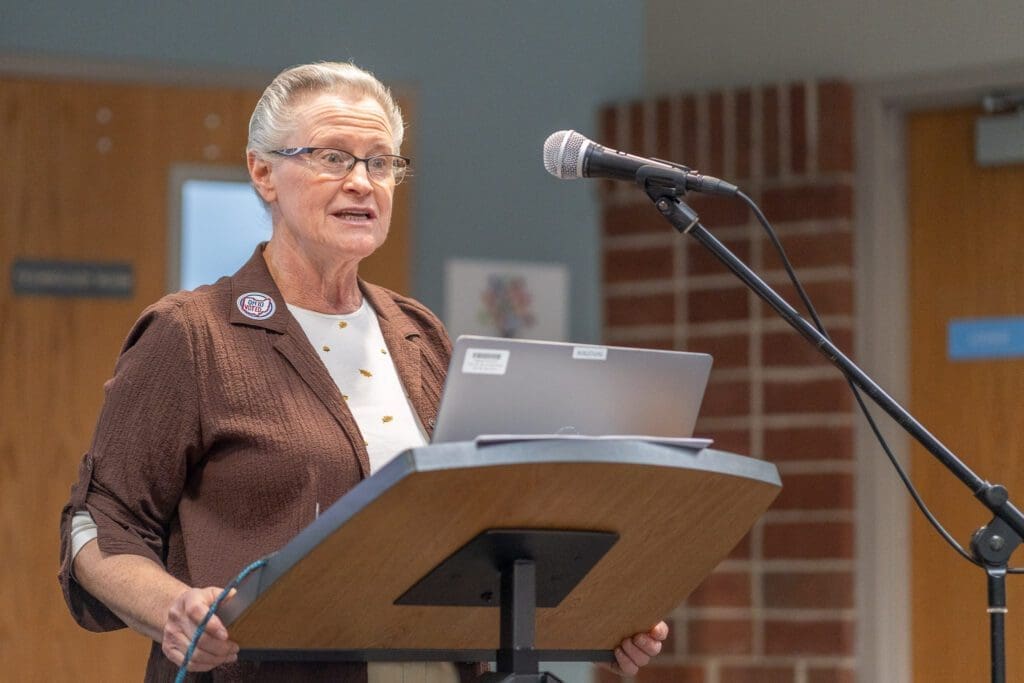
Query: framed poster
x=507, y=299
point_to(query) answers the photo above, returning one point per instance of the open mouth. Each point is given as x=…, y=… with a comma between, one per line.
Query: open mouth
x=354, y=215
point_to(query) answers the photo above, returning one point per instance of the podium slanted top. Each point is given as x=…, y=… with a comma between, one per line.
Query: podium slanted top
x=677, y=512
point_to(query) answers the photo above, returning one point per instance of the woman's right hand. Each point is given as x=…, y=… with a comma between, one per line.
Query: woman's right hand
x=183, y=617
x=157, y=605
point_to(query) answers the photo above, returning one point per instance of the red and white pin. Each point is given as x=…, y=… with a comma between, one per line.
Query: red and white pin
x=256, y=305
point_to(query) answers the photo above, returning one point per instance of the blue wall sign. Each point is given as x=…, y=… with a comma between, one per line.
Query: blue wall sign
x=72, y=278
x=981, y=338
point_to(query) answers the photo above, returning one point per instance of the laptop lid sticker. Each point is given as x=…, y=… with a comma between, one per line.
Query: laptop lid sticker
x=589, y=353
x=485, y=361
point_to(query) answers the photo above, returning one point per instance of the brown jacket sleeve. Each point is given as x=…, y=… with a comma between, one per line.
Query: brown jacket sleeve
x=132, y=478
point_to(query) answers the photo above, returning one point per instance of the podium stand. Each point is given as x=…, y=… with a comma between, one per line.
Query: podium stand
x=663, y=517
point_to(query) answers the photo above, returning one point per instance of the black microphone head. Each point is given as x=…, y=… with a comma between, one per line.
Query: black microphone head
x=563, y=154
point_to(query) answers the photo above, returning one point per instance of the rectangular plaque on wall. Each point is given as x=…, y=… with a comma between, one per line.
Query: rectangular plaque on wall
x=72, y=279
x=986, y=338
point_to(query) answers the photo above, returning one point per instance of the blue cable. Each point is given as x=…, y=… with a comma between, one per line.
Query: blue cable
x=183, y=669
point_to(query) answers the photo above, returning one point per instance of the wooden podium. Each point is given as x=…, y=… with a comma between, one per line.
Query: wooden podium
x=667, y=516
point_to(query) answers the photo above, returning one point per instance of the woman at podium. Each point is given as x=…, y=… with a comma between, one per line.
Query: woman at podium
x=241, y=409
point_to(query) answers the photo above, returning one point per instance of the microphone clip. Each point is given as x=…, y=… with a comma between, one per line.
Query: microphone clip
x=665, y=182
x=664, y=189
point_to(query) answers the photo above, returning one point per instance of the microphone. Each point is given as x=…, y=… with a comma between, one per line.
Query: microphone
x=569, y=155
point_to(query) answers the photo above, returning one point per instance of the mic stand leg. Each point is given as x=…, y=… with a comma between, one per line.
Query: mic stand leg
x=997, y=619
x=992, y=545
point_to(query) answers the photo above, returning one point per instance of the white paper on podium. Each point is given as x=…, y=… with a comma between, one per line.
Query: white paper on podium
x=680, y=442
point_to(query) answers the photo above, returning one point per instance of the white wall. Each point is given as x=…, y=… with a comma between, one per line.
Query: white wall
x=698, y=45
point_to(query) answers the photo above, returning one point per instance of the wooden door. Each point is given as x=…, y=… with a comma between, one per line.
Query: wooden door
x=84, y=178
x=966, y=255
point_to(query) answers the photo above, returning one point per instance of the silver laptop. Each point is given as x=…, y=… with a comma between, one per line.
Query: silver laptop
x=518, y=386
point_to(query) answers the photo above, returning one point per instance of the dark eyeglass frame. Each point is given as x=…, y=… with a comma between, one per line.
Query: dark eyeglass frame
x=398, y=173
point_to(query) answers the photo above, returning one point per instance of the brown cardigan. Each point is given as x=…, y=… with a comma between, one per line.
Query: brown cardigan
x=219, y=436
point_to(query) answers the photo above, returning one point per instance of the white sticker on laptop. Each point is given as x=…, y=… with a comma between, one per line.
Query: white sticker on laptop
x=485, y=361
x=589, y=353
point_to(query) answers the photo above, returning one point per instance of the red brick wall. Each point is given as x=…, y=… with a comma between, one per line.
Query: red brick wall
x=781, y=607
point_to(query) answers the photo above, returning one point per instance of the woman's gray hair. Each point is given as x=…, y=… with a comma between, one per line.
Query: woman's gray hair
x=272, y=118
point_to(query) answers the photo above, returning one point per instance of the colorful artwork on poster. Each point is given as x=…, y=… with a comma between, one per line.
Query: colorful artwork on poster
x=507, y=299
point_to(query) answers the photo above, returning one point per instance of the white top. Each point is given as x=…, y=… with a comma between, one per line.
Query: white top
x=353, y=350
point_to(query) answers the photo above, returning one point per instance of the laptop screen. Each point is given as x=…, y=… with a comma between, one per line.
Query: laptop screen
x=517, y=386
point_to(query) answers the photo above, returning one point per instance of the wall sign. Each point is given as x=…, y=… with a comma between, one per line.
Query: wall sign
x=72, y=279
x=984, y=338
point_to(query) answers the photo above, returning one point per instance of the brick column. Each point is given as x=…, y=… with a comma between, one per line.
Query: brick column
x=781, y=608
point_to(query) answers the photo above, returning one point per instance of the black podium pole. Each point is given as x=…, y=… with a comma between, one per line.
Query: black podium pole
x=517, y=661
x=531, y=568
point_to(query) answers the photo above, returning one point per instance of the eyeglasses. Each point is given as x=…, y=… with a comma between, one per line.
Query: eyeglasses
x=336, y=163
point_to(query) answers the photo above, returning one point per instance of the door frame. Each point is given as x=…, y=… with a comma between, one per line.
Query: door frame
x=882, y=348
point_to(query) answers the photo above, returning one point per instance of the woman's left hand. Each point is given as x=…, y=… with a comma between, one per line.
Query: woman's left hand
x=637, y=650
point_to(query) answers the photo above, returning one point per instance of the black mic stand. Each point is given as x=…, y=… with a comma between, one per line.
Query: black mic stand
x=993, y=543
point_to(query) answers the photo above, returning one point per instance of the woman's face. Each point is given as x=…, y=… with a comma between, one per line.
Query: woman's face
x=326, y=218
